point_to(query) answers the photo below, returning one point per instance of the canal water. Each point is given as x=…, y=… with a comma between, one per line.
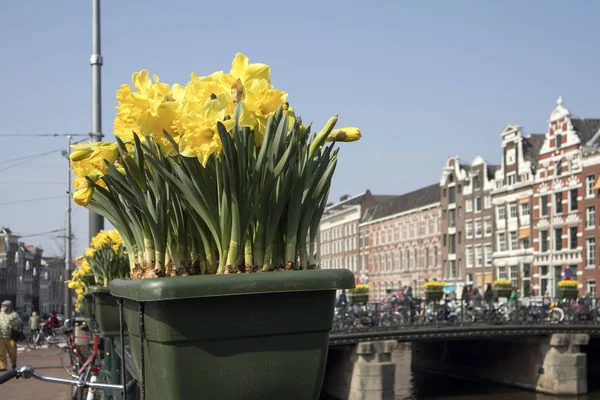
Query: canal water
x=415, y=385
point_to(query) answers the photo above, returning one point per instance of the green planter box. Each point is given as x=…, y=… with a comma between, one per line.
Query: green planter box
x=243, y=336
x=106, y=311
x=568, y=293
x=502, y=292
x=87, y=304
x=359, y=298
x=434, y=295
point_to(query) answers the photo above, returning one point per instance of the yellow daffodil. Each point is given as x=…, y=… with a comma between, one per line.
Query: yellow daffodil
x=260, y=101
x=242, y=74
x=201, y=138
x=350, y=134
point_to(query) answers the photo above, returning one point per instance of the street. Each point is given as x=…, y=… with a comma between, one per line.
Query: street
x=46, y=362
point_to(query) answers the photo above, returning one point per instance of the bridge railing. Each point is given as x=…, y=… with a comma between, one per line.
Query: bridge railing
x=415, y=313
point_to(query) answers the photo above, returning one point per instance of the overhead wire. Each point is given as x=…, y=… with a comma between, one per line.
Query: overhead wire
x=43, y=233
x=31, y=200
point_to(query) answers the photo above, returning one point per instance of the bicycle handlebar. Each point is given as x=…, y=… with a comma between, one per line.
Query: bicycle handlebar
x=27, y=372
x=7, y=376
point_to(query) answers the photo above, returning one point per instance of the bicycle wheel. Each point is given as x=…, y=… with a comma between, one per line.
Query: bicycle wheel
x=68, y=361
x=557, y=315
x=33, y=342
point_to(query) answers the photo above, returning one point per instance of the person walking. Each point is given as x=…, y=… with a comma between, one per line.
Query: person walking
x=34, y=322
x=8, y=320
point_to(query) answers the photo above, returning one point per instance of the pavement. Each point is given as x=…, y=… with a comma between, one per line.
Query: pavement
x=46, y=362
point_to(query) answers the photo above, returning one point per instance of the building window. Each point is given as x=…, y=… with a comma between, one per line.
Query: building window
x=591, y=288
x=512, y=179
x=544, y=200
x=488, y=255
x=558, y=203
x=525, y=242
x=487, y=225
x=502, y=241
x=400, y=265
x=469, y=205
x=590, y=251
x=452, y=191
x=459, y=237
x=479, y=256
x=513, y=240
x=589, y=185
x=478, y=204
x=573, y=237
x=416, y=258
x=469, y=227
x=501, y=212
x=525, y=209
x=502, y=273
x=514, y=275
x=452, y=219
x=544, y=240
x=477, y=182
x=590, y=217
x=559, y=168
x=558, y=239
x=469, y=257
x=407, y=259
x=573, y=195
x=478, y=228
x=558, y=141
x=513, y=209
x=488, y=201
x=452, y=249
x=435, y=256
x=444, y=240
x=426, y=257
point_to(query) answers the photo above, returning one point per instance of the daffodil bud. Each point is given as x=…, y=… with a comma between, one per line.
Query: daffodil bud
x=322, y=135
x=350, y=134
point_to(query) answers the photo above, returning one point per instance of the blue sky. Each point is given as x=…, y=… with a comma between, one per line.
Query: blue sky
x=423, y=80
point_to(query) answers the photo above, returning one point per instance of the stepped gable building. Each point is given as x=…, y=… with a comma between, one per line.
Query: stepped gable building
x=401, y=241
x=512, y=200
x=561, y=237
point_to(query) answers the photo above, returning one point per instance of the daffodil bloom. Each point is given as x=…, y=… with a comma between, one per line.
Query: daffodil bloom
x=350, y=134
x=84, y=190
x=260, y=101
x=82, y=151
x=201, y=138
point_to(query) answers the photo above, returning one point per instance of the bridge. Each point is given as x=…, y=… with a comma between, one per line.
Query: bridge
x=540, y=356
x=479, y=331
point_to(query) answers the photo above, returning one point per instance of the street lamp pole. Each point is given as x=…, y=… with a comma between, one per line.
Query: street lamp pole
x=68, y=237
x=96, y=222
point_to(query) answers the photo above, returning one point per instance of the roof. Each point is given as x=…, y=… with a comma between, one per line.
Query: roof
x=352, y=201
x=586, y=128
x=532, y=145
x=398, y=204
x=491, y=171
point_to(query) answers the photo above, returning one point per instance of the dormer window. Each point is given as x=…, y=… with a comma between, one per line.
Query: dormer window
x=477, y=182
x=511, y=179
x=558, y=141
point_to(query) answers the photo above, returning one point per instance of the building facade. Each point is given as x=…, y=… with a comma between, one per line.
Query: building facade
x=338, y=244
x=558, y=210
x=512, y=202
x=401, y=242
x=52, y=286
x=467, y=223
x=9, y=243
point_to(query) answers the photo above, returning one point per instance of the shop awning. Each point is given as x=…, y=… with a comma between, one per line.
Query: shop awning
x=524, y=233
x=597, y=185
x=525, y=200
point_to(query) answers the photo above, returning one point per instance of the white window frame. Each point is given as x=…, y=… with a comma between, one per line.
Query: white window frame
x=511, y=177
x=514, y=240
x=469, y=250
x=590, y=252
x=478, y=225
x=513, y=210
x=469, y=205
x=501, y=212
x=469, y=229
x=488, y=201
x=502, y=274
x=487, y=223
x=590, y=216
x=488, y=255
x=501, y=241
x=589, y=185
x=479, y=256
x=525, y=209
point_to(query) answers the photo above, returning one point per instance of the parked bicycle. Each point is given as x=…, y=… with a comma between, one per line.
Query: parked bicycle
x=45, y=335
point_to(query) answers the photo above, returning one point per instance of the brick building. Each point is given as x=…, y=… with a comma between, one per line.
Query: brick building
x=512, y=199
x=400, y=241
x=558, y=211
x=52, y=285
x=467, y=226
x=338, y=239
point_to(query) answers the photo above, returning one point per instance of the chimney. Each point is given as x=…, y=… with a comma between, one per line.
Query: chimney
x=344, y=197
